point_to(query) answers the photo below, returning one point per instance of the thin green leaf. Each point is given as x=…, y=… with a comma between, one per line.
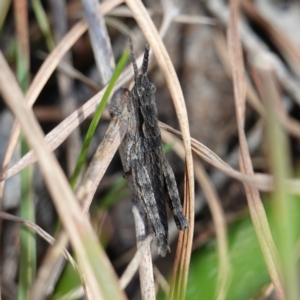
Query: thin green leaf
x=283, y=204
x=27, y=269
x=43, y=23
x=27, y=237
x=82, y=156
x=4, y=6
x=168, y=147
x=114, y=194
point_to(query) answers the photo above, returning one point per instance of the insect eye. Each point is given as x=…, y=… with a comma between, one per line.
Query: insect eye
x=152, y=88
x=140, y=91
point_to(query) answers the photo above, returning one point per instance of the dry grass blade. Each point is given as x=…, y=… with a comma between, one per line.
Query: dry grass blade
x=254, y=47
x=84, y=195
x=145, y=23
x=59, y=134
x=190, y=19
x=265, y=292
x=256, y=208
x=135, y=262
x=100, y=41
x=57, y=54
x=47, y=69
x=102, y=158
x=42, y=233
x=220, y=228
x=145, y=267
x=221, y=47
x=263, y=182
x=161, y=280
x=79, y=229
x=283, y=204
x=290, y=52
x=41, y=287
x=290, y=124
x=65, y=83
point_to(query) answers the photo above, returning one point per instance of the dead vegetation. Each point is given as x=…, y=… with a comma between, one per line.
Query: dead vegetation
x=227, y=78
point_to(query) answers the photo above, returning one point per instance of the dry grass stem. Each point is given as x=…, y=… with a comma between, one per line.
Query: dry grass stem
x=189, y=19
x=146, y=24
x=256, y=208
x=65, y=83
x=59, y=134
x=161, y=280
x=291, y=125
x=42, y=233
x=47, y=69
x=287, y=49
x=254, y=47
x=102, y=158
x=100, y=40
x=75, y=223
x=145, y=264
x=135, y=262
x=261, y=181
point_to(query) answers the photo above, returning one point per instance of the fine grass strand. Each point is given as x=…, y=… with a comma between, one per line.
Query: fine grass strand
x=147, y=26
x=4, y=6
x=82, y=156
x=284, y=204
x=99, y=274
x=27, y=262
x=114, y=194
x=43, y=23
x=27, y=237
x=256, y=207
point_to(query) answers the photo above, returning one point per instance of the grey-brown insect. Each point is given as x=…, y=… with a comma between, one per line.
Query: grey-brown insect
x=152, y=176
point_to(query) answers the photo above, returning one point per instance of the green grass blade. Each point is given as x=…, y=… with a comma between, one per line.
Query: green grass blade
x=283, y=203
x=168, y=147
x=81, y=161
x=82, y=156
x=27, y=237
x=43, y=23
x=4, y=6
x=117, y=192
x=27, y=268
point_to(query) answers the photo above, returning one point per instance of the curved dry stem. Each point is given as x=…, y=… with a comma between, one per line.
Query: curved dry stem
x=263, y=182
x=47, y=69
x=145, y=23
x=256, y=207
x=42, y=233
x=291, y=125
x=288, y=50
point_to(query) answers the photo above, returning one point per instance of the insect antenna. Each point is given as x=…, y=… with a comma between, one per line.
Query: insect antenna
x=145, y=60
x=133, y=60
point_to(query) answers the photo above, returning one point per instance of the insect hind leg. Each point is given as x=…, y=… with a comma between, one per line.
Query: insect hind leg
x=173, y=197
x=146, y=195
